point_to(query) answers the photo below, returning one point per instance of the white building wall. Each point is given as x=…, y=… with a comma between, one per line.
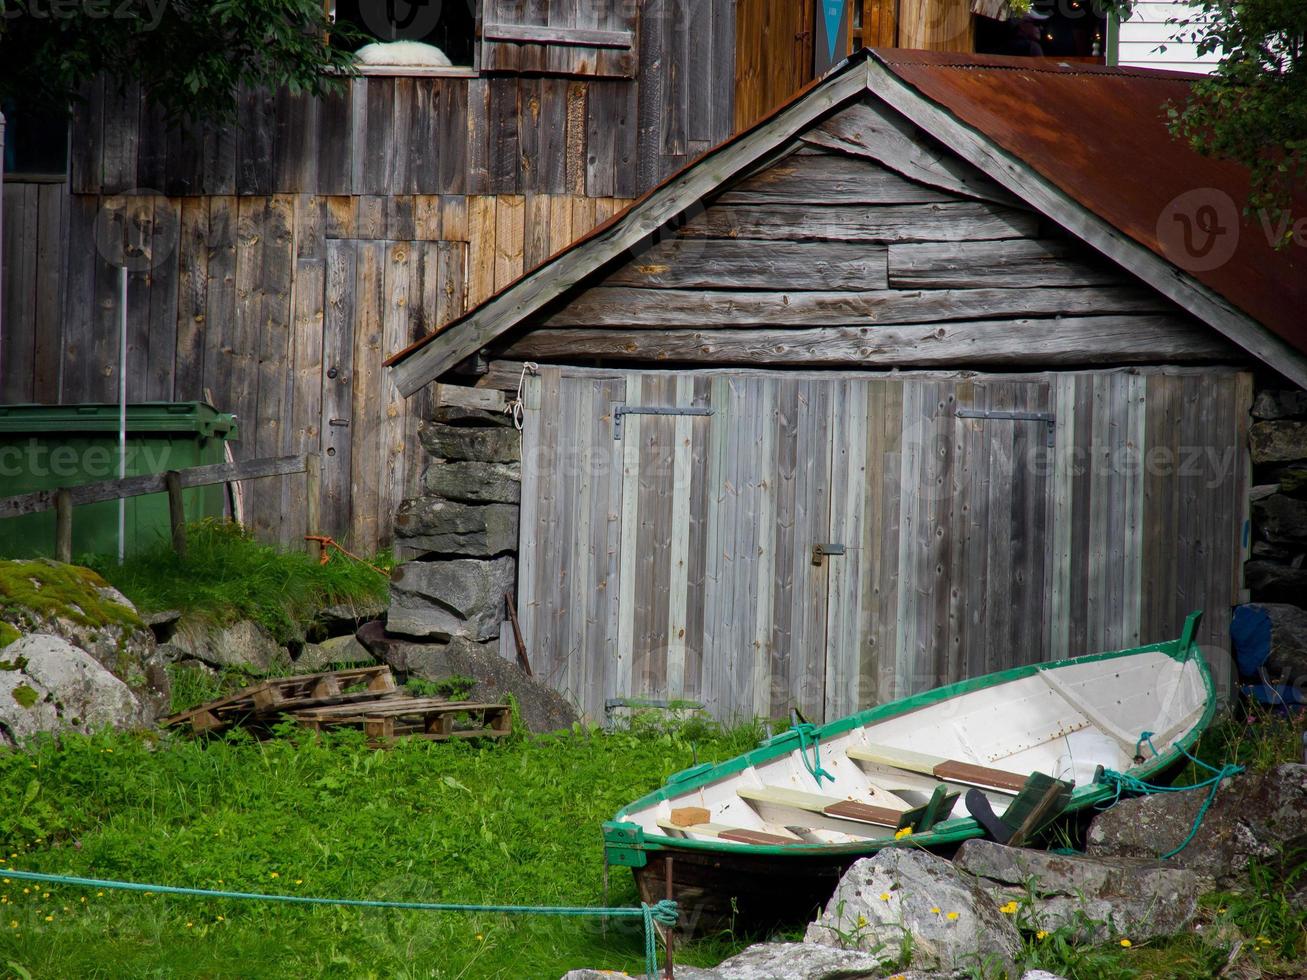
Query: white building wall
x=1139, y=38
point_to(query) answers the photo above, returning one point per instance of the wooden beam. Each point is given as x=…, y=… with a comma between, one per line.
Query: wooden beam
x=1014, y=175
x=645, y=218
x=753, y=264
x=1031, y=343
x=1015, y=263
x=611, y=306
x=135, y=486
x=567, y=36
x=951, y=221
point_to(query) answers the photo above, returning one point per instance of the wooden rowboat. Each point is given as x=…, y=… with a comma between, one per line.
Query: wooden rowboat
x=767, y=835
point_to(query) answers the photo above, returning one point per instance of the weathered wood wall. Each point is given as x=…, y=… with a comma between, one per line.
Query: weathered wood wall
x=280, y=308
x=825, y=258
x=677, y=560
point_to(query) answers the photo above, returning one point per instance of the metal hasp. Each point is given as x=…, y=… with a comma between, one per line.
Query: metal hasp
x=621, y=411
x=1048, y=418
x=820, y=551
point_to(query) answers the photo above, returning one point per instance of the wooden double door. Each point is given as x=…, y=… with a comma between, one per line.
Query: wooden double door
x=761, y=541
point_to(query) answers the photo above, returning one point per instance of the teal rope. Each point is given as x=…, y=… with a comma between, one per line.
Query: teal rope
x=808, y=738
x=1132, y=784
x=664, y=912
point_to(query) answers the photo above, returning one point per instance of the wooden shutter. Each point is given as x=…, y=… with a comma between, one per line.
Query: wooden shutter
x=560, y=37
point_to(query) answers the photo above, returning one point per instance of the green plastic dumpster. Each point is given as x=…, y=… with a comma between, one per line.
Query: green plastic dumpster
x=47, y=447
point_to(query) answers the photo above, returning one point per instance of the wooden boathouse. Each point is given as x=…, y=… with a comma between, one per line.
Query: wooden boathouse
x=904, y=384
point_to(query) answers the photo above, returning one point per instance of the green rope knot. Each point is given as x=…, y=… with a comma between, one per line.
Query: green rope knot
x=1124, y=782
x=664, y=913
x=808, y=738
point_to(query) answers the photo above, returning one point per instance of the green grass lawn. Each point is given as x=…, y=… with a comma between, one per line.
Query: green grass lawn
x=513, y=823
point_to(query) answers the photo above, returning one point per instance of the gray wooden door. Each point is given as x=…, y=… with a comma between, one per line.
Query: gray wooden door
x=984, y=522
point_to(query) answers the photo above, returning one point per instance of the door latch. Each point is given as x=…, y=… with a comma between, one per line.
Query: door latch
x=820, y=551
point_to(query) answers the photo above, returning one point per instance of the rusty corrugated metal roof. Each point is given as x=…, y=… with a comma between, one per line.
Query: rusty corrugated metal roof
x=1100, y=134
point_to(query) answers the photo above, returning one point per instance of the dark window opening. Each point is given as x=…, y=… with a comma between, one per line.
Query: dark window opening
x=449, y=25
x=36, y=141
x=1060, y=29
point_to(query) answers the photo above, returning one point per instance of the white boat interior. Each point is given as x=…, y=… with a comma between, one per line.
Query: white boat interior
x=1062, y=720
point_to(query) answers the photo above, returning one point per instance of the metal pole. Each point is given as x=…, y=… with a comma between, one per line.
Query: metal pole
x=122, y=406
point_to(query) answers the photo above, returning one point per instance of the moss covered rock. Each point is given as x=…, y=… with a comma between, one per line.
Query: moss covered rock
x=75, y=603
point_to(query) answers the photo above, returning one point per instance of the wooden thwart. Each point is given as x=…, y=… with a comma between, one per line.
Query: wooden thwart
x=947, y=769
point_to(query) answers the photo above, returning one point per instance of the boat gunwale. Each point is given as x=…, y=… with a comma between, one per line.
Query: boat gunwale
x=1182, y=649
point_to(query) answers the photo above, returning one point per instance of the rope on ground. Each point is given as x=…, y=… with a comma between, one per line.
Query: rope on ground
x=809, y=739
x=329, y=542
x=662, y=913
x=1126, y=783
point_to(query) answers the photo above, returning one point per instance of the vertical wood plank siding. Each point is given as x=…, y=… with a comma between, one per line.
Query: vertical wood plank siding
x=677, y=561
x=255, y=234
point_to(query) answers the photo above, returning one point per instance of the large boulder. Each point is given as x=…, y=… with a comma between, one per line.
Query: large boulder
x=477, y=483
x=244, y=644
x=1270, y=581
x=332, y=653
x=75, y=603
x=1092, y=898
x=494, y=445
x=1253, y=817
x=440, y=599
x=49, y=685
x=788, y=961
x=451, y=528
x=1281, y=519
x=907, y=901
x=1278, y=442
x=541, y=707
x=1271, y=404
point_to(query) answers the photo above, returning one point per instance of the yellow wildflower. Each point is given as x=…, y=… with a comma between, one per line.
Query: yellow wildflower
x=1126, y=943
x=49, y=918
x=299, y=881
x=935, y=910
x=27, y=891
x=99, y=894
x=862, y=922
x=189, y=924
x=902, y=832
x=480, y=938
x=884, y=896
x=1041, y=934
x=1010, y=908
x=83, y=899
x=952, y=916
x=273, y=874
x=221, y=919
x=13, y=923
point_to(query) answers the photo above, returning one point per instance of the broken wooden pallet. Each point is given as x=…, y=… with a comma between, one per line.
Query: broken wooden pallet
x=276, y=695
x=431, y=718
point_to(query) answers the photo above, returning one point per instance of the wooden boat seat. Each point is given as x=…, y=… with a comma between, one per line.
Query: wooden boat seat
x=947, y=769
x=740, y=835
x=829, y=806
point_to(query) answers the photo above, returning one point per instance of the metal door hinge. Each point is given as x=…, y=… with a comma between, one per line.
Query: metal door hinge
x=621, y=411
x=1048, y=418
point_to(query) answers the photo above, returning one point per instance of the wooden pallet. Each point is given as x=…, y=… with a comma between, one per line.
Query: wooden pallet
x=431, y=718
x=277, y=695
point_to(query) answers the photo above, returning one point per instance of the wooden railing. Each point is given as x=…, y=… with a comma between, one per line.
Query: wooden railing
x=173, y=482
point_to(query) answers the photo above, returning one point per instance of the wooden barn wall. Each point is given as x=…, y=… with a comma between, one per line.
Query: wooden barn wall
x=676, y=561
x=280, y=308
x=278, y=261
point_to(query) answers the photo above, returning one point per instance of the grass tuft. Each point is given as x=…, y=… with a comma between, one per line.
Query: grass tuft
x=227, y=575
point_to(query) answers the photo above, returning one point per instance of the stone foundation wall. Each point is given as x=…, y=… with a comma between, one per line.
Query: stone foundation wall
x=1276, y=572
x=460, y=535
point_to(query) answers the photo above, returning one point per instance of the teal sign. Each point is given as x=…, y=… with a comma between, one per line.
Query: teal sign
x=833, y=12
